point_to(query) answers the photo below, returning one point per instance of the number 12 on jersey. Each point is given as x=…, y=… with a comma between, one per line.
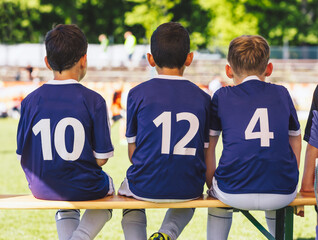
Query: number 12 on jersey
x=164, y=119
x=264, y=134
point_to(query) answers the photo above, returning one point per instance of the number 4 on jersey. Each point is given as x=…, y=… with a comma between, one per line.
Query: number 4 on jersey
x=264, y=134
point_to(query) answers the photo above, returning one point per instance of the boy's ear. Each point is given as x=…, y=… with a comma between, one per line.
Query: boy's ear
x=228, y=71
x=151, y=60
x=47, y=63
x=269, y=70
x=83, y=61
x=189, y=59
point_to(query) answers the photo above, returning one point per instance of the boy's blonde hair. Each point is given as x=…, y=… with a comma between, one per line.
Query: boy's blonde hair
x=248, y=54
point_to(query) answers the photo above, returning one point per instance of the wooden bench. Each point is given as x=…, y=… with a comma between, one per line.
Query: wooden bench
x=284, y=223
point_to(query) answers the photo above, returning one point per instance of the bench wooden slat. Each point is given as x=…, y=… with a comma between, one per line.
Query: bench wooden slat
x=27, y=201
x=110, y=202
x=304, y=199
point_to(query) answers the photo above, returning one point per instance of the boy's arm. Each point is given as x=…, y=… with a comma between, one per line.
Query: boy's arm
x=210, y=160
x=307, y=184
x=295, y=143
x=101, y=162
x=131, y=149
x=102, y=144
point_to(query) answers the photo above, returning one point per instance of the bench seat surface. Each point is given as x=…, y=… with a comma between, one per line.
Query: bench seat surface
x=27, y=201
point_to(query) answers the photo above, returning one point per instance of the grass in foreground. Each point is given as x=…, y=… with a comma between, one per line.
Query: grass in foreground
x=40, y=224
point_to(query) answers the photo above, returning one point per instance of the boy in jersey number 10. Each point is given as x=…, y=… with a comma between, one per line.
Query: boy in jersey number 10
x=167, y=132
x=63, y=136
x=258, y=169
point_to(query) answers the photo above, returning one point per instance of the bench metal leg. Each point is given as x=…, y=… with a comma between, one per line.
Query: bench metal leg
x=257, y=225
x=284, y=223
x=280, y=224
x=289, y=223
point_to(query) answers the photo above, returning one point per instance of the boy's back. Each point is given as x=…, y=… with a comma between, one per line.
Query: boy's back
x=62, y=123
x=257, y=119
x=168, y=117
x=63, y=137
x=258, y=169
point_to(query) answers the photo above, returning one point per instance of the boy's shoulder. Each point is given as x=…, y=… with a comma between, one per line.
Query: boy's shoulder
x=72, y=90
x=245, y=85
x=33, y=94
x=164, y=82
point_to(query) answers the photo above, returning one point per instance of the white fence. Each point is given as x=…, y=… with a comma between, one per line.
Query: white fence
x=22, y=55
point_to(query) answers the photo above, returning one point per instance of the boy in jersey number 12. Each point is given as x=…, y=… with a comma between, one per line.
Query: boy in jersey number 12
x=258, y=169
x=63, y=136
x=167, y=132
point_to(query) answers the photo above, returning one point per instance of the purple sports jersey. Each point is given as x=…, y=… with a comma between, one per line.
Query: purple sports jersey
x=168, y=120
x=311, y=131
x=62, y=130
x=256, y=119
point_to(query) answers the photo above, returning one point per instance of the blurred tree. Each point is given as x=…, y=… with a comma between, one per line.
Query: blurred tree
x=211, y=23
x=18, y=21
x=229, y=19
x=150, y=14
x=280, y=21
x=195, y=19
x=95, y=17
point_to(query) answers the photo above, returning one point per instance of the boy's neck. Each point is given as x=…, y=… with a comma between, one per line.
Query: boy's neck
x=58, y=78
x=77, y=72
x=66, y=74
x=170, y=71
x=239, y=79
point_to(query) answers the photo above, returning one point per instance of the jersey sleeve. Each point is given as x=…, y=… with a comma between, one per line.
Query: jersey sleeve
x=21, y=132
x=207, y=125
x=102, y=145
x=313, y=139
x=294, y=126
x=215, y=122
x=131, y=128
x=314, y=107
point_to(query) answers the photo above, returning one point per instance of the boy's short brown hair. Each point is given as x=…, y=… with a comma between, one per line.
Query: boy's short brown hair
x=170, y=45
x=248, y=54
x=65, y=45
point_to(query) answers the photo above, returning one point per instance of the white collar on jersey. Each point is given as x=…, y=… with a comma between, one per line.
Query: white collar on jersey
x=252, y=77
x=170, y=77
x=62, y=82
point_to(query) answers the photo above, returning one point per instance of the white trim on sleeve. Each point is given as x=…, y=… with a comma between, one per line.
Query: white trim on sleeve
x=19, y=157
x=131, y=139
x=294, y=133
x=103, y=155
x=214, y=133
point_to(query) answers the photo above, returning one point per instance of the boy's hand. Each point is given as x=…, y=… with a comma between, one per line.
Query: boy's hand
x=307, y=188
x=101, y=162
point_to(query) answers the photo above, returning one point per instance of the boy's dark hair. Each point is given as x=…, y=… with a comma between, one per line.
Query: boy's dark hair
x=170, y=45
x=65, y=45
x=248, y=54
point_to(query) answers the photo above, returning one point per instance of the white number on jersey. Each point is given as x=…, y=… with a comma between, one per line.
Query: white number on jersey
x=43, y=127
x=264, y=134
x=179, y=149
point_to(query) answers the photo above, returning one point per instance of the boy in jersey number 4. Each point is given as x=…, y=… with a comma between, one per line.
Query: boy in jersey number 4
x=167, y=132
x=63, y=136
x=258, y=169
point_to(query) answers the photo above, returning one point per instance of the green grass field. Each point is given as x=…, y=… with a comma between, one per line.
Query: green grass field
x=40, y=224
